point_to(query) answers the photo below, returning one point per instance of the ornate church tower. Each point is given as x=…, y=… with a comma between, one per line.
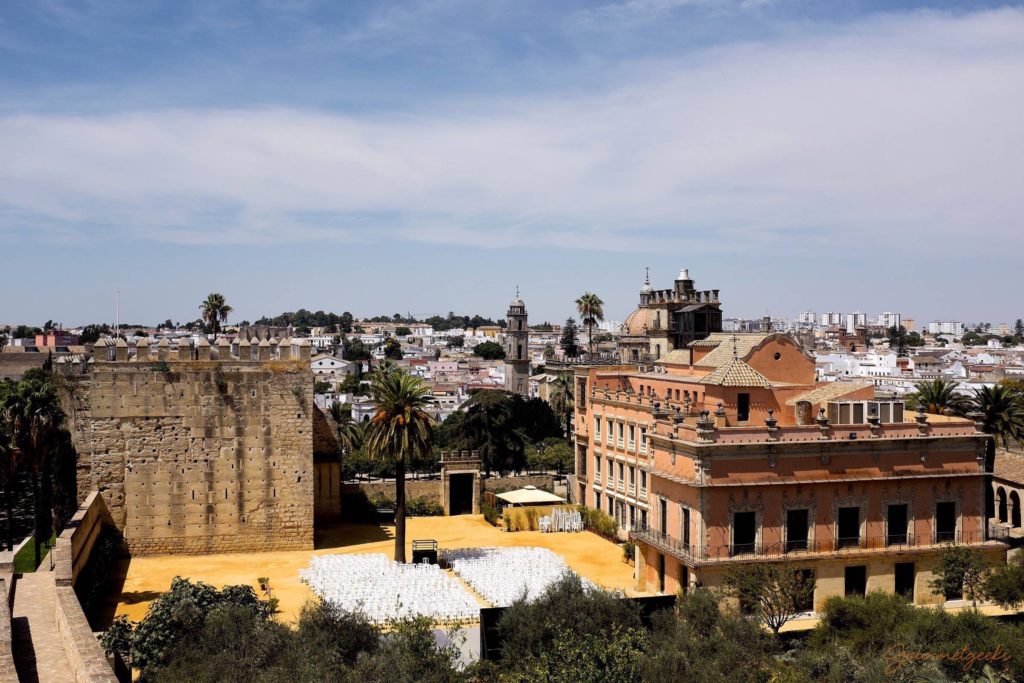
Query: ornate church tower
x=517, y=349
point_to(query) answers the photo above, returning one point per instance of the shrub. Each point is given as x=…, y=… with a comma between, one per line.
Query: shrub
x=628, y=552
x=490, y=513
x=531, y=518
x=423, y=507
x=599, y=522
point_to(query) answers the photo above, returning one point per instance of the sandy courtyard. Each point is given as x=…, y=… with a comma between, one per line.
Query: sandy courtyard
x=589, y=555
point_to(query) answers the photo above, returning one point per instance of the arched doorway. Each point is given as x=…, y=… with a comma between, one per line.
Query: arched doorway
x=1015, y=509
x=1001, y=503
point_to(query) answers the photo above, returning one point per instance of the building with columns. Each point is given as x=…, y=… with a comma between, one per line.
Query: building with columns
x=517, y=348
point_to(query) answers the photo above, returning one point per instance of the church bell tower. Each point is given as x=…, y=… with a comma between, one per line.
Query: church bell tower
x=517, y=348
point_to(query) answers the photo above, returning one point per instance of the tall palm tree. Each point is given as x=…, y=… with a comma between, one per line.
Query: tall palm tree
x=215, y=311
x=939, y=396
x=400, y=429
x=562, y=401
x=1002, y=415
x=591, y=310
x=8, y=469
x=34, y=415
x=348, y=431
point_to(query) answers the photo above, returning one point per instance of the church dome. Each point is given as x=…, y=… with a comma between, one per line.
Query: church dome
x=638, y=322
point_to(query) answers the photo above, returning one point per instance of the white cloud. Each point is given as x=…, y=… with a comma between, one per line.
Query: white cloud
x=901, y=125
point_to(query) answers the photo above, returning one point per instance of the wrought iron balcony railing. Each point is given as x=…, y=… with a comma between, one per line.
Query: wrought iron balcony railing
x=798, y=547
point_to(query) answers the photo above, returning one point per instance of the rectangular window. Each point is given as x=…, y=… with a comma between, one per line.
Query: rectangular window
x=632, y=476
x=897, y=520
x=597, y=501
x=632, y=437
x=849, y=527
x=686, y=527
x=611, y=432
x=622, y=473
x=945, y=522
x=856, y=579
x=643, y=439
x=597, y=426
x=684, y=578
x=744, y=532
x=905, y=580
x=597, y=465
x=796, y=529
x=743, y=407
x=643, y=518
x=643, y=480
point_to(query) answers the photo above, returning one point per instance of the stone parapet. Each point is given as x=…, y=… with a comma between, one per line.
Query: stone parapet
x=85, y=655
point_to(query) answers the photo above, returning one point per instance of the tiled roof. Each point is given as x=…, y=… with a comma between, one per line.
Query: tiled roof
x=724, y=347
x=736, y=373
x=828, y=392
x=675, y=357
x=1009, y=465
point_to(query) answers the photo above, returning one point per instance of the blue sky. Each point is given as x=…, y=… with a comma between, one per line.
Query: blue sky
x=428, y=156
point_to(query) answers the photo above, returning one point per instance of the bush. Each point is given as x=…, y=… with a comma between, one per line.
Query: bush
x=628, y=552
x=490, y=513
x=423, y=507
x=599, y=522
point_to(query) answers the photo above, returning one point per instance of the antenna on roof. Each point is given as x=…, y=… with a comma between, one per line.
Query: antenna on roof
x=647, y=275
x=517, y=291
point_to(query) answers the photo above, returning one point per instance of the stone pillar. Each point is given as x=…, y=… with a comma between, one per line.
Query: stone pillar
x=142, y=350
x=99, y=351
x=304, y=350
x=273, y=348
x=163, y=350
x=264, y=350
x=255, y=348
x=184, y=349
x=244, y=349
x=120, y=350
x=202, y=349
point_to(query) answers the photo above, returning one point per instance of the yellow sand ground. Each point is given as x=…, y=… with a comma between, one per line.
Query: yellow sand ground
x=589, y=555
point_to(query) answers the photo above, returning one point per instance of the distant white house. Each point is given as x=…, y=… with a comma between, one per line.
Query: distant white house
x=330, y=366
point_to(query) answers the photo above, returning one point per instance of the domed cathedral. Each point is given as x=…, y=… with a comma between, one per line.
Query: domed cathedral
x=668, y=319
x=517, y=348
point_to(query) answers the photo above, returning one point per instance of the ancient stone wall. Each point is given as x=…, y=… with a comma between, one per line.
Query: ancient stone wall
x=199, y=456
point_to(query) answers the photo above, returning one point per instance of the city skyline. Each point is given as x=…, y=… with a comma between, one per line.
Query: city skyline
x=403, y=155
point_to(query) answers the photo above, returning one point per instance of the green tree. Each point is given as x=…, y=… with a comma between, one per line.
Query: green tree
x=1004, y=583
x=1001, y=410
x=399, y=431
x=569, y=341
x=8, y=469
x=34, y=416
x=591, y=310
x=392, y=349
x=959, y=571
x=562, y=401
x=215, y=311
x=1018, y=329
x=776, y=592
x=938, y=396
x=489, y=350
x=490, y=428
x=403, y=331
x=3, y=342
x=354, y=349
x=456, y=342
x=898, y=340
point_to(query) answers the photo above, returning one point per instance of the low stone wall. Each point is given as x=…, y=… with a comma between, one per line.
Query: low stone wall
x=85, y=656
x=541, y=481
x=431, y=488
x=7, y=671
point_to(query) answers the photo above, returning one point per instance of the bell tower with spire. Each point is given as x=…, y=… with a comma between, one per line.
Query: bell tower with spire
x=517, y=348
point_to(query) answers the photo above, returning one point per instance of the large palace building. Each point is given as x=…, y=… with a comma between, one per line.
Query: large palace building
x=726, y=450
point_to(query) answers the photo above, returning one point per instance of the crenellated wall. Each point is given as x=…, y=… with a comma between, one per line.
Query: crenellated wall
x=194, y=455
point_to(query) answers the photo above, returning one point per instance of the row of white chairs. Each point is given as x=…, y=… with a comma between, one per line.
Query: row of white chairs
x=561, y=521
x=503, y=575
x=384, y=590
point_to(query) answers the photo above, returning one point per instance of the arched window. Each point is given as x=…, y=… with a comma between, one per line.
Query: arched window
x=1014, y=509
x=1001, y=503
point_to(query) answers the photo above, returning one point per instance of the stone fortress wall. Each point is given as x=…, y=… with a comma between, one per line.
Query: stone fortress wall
x=198, y=449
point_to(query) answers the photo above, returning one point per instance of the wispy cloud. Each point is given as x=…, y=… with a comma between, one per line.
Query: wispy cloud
x=900, y=125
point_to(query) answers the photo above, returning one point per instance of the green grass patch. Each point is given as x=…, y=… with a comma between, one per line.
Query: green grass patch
x=25, y=559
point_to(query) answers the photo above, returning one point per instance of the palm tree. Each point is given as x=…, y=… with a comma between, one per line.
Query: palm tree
x=8, y=468
x=591, y=310
x=349, y=433
x=215, y=311
x=938, y=396
x=561, y=400
x=400, y=429
x=34, y=415
x=1001, y=412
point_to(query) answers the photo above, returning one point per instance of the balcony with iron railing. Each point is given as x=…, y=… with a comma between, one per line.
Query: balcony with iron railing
x=801, y=549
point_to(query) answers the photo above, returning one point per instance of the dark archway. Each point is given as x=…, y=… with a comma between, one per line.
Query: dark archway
x=1015, y=509
x=1001, y=503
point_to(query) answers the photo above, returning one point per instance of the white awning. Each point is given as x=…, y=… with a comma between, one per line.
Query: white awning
x=530, y=495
